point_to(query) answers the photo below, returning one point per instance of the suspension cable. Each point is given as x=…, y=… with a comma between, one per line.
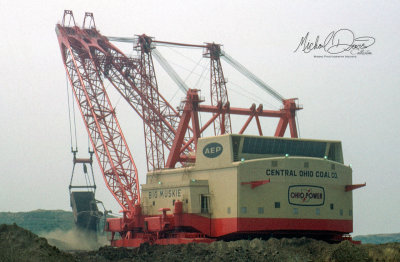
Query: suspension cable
x=171, y=72
x=73, y=111
x=202, y=77
x=69, y=114
x=88, y=143
x=195, y=66
x=251, y=76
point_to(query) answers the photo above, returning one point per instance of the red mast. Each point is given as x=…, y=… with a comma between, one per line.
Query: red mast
x=219, y=93
x=148, y=87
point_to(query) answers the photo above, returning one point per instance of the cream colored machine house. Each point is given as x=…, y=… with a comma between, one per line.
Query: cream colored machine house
x=254, y=185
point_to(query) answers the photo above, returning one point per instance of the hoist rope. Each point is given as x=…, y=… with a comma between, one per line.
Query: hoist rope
x=73, y=111
x=88, y=142
x=69, y=117
x=87, y=179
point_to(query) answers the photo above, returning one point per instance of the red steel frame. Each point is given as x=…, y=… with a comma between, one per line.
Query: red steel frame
x=192, y=107
x=90, y=59
x=135, y=80
x=219, y=93
x=148, y=86
x=113, y=155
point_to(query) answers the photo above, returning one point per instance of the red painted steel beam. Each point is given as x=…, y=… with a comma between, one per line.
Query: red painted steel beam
x=204, y=127
x=246, y=124
x=288, y=118
x=218, y=91
x=173, y=156
x=189, y=113
x=152, y=125
x=240, y=111
x=255, y=184
x=259, y=125
x=82, y=160
x=352, y=187
x=281, y=128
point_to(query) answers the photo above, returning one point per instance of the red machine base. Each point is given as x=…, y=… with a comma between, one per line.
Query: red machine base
x=172, y=239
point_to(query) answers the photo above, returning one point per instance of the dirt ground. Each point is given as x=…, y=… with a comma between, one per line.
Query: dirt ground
x=18, y=244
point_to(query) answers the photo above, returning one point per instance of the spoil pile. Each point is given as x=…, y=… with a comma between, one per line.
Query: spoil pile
x=18, y=244
x=302, y=249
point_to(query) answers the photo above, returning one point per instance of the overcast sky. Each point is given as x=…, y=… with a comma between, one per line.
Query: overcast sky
x=354, y=100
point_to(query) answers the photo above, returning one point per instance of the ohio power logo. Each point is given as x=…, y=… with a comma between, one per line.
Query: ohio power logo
x=212, y=150
x=305, y=195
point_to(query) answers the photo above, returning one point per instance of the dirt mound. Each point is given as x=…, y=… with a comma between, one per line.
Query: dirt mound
x=389, y=252
x=18, y=244
x=302, y=249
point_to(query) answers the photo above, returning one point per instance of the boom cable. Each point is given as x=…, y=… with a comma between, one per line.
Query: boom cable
x=241, y=69
x=171, y=72
x=69, y=117
x=202, y=78
x=194, y=68
x=73, y=111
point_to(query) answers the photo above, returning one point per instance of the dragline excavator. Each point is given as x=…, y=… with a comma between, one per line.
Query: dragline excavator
x=199, y=189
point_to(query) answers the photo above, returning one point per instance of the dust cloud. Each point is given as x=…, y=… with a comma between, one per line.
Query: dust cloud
x=75, y=239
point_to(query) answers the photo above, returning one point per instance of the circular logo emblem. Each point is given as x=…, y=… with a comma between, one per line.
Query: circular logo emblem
x=212, y=150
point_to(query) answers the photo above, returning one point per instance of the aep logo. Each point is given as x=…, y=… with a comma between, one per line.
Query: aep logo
x=212, y=150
